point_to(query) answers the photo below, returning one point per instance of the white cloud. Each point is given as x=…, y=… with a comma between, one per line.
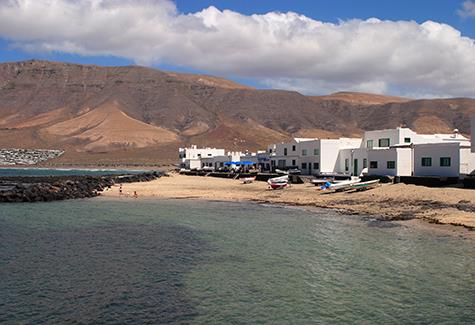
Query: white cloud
x=468, y=9
x=285, y=50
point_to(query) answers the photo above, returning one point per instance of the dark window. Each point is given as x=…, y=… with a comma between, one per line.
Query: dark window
x=316, y=166
x=347, y=165
x=391, y=165
x=369, y=144
x=304, y=152
x=272, y=162
x=384, y=142
x=365, y=163
x=304, y=165
x=293, y=162
x=285, y=151
x=316, y=152
x=444, y=161
x=407, y=140
x=293, y=148
x=426, y=161
x=373, y=164
x=270, y=150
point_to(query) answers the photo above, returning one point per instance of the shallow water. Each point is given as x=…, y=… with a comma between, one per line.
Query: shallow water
x=180, y=261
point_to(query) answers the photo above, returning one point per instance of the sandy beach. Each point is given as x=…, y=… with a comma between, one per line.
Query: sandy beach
x=389, y=201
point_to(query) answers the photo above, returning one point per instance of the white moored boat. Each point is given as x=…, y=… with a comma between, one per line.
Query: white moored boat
x=343, y=185
x=247, y=180
x=278, y=182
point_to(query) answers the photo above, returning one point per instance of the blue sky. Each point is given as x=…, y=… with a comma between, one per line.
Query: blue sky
x=50, y=43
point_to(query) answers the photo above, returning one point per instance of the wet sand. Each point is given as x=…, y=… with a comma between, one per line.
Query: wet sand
x=452, y=206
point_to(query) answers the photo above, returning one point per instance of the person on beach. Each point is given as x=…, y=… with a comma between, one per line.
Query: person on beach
x=135, y=195
x=120, y=189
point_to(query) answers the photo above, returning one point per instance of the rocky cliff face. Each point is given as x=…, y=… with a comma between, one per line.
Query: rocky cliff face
x=130, y=114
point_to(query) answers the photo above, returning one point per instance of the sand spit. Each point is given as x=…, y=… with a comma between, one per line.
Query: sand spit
x=389, y=202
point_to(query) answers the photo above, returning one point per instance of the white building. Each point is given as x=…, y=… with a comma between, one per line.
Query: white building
x=392, y=152
x=190, y=158
x=312, y=156
x=443, y=159
x=395, y=161
x=217, y=162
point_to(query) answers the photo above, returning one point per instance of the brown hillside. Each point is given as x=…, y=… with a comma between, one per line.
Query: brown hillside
x=142, y=115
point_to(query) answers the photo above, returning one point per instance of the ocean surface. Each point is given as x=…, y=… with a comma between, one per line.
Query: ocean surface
x=63, y=172
x=112, y=261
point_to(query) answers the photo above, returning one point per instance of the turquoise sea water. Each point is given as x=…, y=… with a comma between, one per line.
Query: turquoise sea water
x=63, y=172
x=180, y=261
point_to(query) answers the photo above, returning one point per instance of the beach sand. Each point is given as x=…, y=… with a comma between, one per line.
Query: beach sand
x=389, y=201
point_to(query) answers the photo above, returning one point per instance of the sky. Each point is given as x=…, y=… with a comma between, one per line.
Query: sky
x=418, y=48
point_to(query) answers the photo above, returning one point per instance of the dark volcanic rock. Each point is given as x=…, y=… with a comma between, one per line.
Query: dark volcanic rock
x=52, y=188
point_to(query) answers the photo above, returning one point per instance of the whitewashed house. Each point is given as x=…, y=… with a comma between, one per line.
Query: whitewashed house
x=395, y=161
x=452, y=159
x=190, y=158
x=392, y=152
x=217, y=162
x=312, y=156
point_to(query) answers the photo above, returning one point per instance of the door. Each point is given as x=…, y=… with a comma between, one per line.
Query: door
x=355, y=167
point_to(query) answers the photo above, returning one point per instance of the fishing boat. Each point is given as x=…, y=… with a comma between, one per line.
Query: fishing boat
x=363, y=186
x=320, y=181
x=279, y=182
x=340, y=186
x=247, y=180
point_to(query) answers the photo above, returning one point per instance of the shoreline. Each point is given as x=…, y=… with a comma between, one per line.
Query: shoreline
x=389, y=202
x=416, y=224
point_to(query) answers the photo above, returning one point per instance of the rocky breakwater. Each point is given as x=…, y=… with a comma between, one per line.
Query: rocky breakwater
x=52, y=188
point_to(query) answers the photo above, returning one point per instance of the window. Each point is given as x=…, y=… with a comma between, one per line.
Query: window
x=294, y=162
x=285, y=151
x=407, y=140
x=373, y=164
x=391, y=165
x=444, y=161
x=316, y=152
x=384, y=142
x=270, y=150
x=426, y=161
x=209, y=155
x=293, y=148
x=369, y=144
x=316, y=165
x=272, y=162
x=304, y=152
x=347, y=164
x=221, y=164
x=199, y=155
x=304, y=165
x=365, y=163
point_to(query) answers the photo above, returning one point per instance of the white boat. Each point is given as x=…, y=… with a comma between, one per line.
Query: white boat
x=343, y=185
x=320, y=181
x=278, y=182
x=363, y=186
x=247, y=180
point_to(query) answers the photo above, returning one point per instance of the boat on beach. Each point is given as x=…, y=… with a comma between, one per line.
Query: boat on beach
x=278, y=182
x=247, y=180
x=363, y=186
x=340, y=186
